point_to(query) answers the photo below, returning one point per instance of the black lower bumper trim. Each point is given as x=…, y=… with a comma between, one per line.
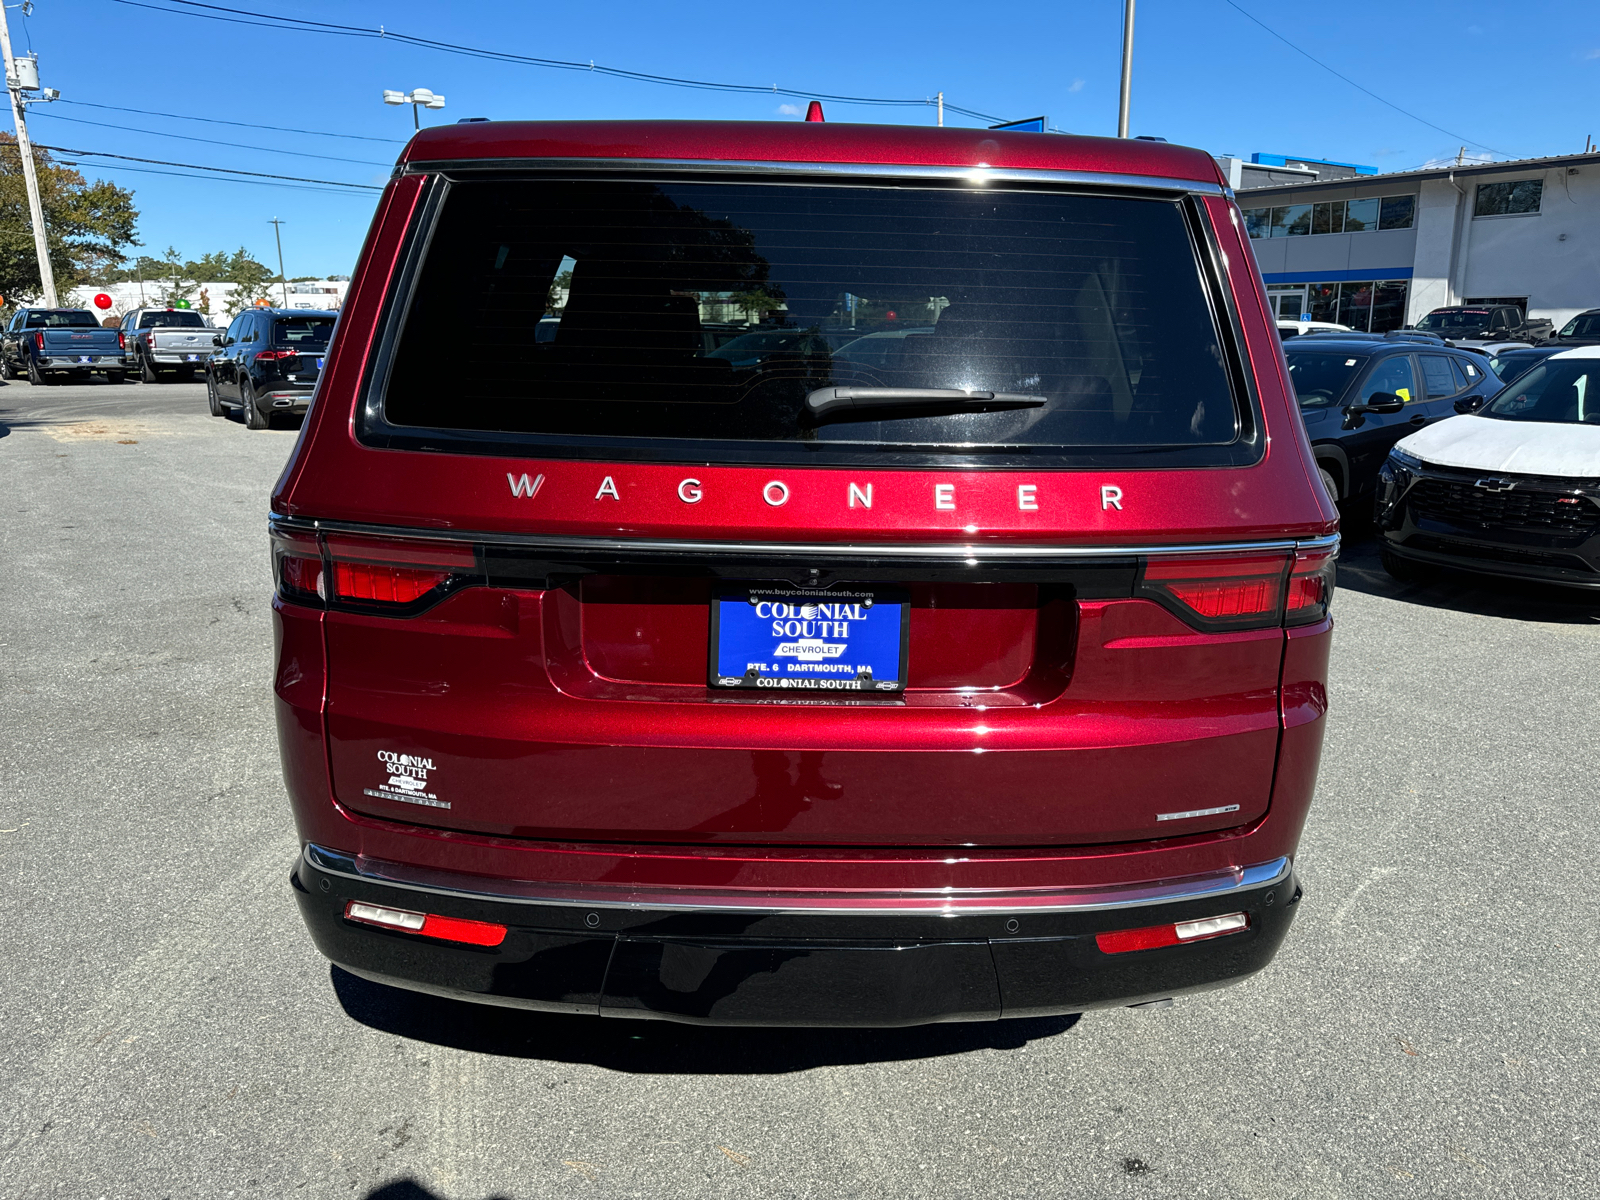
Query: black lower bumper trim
x=754, y=970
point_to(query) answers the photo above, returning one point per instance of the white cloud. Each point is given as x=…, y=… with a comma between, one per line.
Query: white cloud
x=1077, y=86
x=1593, y=54
x=789, y=110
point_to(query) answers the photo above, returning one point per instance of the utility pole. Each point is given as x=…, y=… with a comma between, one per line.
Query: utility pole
x=41, y=244
x=282, y=282
x=941, y=110
x=1127, y=67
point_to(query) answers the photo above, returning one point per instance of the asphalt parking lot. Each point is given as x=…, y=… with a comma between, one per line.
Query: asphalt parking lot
x=169, y=1030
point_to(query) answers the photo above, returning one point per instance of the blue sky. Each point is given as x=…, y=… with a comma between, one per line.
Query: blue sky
x=1508, y=80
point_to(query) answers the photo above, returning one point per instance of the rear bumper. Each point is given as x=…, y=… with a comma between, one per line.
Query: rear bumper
x=174, y=358
x=282, y=398
x=818, y=959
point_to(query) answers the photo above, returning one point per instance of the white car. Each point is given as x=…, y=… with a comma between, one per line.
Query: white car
x=1511, y=489
x=1288, y=329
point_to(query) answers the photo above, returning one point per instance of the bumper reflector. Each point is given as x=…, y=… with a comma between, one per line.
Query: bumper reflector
x=449, y=929
x=1154, y=936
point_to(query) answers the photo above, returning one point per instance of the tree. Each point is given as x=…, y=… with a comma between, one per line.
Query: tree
x=555, y=298
x=252, y=279
x=88, y=225
x=172, y=284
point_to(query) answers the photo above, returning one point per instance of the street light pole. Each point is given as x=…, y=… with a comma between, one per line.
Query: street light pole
x=1127, y=67
x=282, y=282
x=418, y=98
x=41, y=244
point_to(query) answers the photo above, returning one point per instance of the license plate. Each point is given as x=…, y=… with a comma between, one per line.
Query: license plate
x=194, y=358
x=777, y=638
x=86, y=358
x=319, y=364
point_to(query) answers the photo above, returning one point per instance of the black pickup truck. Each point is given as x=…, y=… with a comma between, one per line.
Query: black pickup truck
x=50, y=345
x=1478, y=326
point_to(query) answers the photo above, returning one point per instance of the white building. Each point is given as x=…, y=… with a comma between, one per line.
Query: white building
x=216, y=301
x=1381, y=251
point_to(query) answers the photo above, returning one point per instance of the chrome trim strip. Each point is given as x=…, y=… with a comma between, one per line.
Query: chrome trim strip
x=946, y=902
x=972, y=174
x=992, y=551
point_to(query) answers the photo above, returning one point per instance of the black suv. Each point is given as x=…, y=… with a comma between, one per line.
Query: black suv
x=268, y=363
x=1582, y=330
x=1359, y=396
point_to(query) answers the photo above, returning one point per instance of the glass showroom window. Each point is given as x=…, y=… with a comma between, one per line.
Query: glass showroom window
x=1257, y=221
x=1508, y=199
x=1360, y=215
x=1328, y=217
x=1397, y=212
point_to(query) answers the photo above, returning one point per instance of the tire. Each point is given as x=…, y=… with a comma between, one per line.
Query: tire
x=1329, y=482
x=116, y=376
x=147, y=373
x=7, y=371
x=34, y=377
x=254, y=418
x=213, y=401
x=1404, y=570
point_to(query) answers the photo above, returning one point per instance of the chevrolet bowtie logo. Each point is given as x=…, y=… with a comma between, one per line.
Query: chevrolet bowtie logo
x=1494, y=483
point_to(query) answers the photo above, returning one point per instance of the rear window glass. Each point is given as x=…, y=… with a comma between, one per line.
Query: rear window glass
x=302, y=331
x=173, y=319
x=62, y=320
x=603, y=313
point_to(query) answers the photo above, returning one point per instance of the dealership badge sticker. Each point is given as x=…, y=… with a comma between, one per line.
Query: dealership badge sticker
x=407, y=780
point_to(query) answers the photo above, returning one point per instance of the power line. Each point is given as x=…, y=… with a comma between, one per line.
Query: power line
x=160, y=162
x=365, y=162
x=1347, y=79
x=146, y=112
x=304, y=25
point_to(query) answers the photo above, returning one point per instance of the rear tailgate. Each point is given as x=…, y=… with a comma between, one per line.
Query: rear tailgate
x=193, y=345
x=71, y=343
x=522, y=645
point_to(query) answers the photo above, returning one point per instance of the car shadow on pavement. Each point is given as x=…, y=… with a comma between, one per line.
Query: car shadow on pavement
x=1361, y=570
x=665, y=1047
x=410, y=1189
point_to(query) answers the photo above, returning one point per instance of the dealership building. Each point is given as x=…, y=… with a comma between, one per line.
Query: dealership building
x=1341, y=242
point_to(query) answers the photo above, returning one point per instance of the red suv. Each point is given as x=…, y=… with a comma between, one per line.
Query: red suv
x=623, y=674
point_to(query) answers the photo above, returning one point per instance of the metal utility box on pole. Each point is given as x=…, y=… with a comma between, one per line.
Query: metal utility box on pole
x=1127, y=67
x=14, y=89
x=282, y=282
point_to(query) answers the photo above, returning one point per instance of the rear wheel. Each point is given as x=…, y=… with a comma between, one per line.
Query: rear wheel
x=1404, y=569
x=115, y=376
x=35, y=377
x=7, y=371
x=254, y=418
x=147, y=373
x=213, y=401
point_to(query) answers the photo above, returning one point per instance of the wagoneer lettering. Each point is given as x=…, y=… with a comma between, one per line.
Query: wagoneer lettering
x=873, y=699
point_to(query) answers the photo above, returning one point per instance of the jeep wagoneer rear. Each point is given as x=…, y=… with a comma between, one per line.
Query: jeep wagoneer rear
x=637, y=670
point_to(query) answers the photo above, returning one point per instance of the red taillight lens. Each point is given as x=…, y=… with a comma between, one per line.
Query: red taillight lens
x=1219, y=591
x=122, y=340
x=38, y=339
x=449, y=929
x=385, y=585
x=273, y=355
x=383, y=571
x=1152, y=937
x=1310, y=587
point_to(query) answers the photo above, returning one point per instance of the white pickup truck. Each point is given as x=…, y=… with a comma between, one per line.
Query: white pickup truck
x=167, y=343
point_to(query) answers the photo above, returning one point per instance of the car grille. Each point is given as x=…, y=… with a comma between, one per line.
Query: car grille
x=1503, y=554
x=1520, y=507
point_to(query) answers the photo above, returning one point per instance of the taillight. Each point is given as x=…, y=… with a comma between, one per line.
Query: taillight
x=1310, y=587
x=38, y=339
x=378, y=573
x=1153, y=937
x=1255, y=591
x=273, y=355
x=122, y=340
x=297, y=568
x=430, y=925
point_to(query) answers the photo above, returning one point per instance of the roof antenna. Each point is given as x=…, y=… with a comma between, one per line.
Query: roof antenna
x=814, y=111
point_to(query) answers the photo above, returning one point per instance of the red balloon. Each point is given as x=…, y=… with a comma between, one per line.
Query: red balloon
x=102, y=301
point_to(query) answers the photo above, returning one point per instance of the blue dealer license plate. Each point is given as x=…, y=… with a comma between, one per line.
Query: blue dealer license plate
x=845, y=639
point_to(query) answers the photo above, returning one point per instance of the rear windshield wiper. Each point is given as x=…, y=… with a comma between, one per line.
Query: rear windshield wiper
x=835, y=402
